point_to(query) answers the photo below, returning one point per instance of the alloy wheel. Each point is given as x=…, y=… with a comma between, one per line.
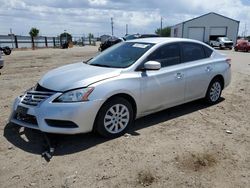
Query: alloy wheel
x=116, y=119
x=215, y=91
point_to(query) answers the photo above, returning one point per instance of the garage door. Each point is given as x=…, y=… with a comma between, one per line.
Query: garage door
x=196, y=33
x=219, y=31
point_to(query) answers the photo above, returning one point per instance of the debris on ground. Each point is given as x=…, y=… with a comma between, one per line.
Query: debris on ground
x=49, y=150
x=127, y=135
x=229, y=132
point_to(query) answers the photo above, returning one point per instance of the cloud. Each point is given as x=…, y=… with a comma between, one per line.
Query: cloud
x=83, y=16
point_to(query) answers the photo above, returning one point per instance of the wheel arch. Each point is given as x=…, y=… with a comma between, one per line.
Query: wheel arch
x=221, y=78
x=126, y=96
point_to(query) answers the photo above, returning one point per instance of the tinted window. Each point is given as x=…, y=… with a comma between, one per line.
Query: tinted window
x=208, y=51
x=167, y=55
x=192, y=52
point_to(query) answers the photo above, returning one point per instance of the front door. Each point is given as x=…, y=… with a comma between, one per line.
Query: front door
x=165, y=87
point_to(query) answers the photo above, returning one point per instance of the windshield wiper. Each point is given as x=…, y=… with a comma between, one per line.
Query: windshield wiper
x=87, y=60
x=100, y=65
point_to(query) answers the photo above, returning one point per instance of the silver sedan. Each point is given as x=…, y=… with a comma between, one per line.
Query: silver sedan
x=127, y=81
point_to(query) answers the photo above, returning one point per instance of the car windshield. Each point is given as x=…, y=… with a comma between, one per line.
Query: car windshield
x=121, y=55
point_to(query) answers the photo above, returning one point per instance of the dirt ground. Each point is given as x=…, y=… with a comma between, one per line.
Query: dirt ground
x=185, y=146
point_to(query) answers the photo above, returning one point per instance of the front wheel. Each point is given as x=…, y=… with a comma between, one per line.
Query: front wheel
x=114, y=117
x=214, y=91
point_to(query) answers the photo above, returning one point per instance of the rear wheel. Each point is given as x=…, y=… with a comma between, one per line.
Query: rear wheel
x=114, y=117
x=214, y=91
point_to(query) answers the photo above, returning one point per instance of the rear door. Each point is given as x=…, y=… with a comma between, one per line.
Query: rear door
x=198, y=69
x=165, y=87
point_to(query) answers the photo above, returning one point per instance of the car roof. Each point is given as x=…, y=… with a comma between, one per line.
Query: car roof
x=159, y=40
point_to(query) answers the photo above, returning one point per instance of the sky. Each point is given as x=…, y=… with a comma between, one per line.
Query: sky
x=80, y=17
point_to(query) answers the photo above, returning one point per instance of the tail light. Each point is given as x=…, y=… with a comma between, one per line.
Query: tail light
x=228, y=60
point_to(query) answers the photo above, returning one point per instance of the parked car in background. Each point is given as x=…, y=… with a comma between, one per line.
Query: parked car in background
x=127, y=81
x=1, y=60
x=242, y=45
x=114, y=40
x=138, y=36
x=109, y=42
x=222, y=42
x=6, y=50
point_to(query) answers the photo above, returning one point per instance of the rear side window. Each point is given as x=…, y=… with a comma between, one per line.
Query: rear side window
x=192, y=52
x=167, y=55
x=208, y=51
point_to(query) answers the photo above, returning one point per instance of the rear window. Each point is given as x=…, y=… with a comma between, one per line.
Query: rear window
x=192, y=52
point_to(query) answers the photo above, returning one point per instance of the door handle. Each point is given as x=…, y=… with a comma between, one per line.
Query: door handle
x=179, y=75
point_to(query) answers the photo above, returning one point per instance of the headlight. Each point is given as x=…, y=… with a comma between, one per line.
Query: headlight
x=77, y=95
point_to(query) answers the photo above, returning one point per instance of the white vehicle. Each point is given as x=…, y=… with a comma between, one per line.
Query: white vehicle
x=222, y=42
x=127, y=81
x=1, y=60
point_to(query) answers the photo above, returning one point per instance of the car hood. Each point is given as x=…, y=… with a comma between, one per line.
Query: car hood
x=76, y=75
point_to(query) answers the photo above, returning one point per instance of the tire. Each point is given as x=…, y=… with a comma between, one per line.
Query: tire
x=114, y=118
x=7, y=51
x=214, y=91
x=220, y=47
x=236, y=49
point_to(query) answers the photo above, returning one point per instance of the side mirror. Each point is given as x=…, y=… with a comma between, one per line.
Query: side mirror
x=152, y=65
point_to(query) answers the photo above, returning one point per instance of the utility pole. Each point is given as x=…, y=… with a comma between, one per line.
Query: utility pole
x=11, y=38
x=245, y=31
x=126, y=29
x=161, y=26
x=112, y=26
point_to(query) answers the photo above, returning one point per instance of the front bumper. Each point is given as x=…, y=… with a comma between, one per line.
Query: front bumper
x=82, y=114
x=227, y=45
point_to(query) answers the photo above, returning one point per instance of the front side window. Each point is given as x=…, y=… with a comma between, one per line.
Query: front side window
x=121, y=55
x=192, y=52
x=167, y=55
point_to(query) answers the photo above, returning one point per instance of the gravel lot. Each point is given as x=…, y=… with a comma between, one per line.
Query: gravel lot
x=186, y=146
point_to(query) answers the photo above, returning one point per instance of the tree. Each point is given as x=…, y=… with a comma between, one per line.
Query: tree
x=91, y=36
x=34, y=32
x=166, y=31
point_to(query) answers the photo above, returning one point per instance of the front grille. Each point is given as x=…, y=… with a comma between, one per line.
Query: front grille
x=33, y=98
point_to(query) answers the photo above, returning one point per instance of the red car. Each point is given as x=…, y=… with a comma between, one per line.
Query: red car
x=242, y=45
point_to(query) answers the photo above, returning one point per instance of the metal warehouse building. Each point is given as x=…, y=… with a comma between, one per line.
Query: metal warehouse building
x=207, y=27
